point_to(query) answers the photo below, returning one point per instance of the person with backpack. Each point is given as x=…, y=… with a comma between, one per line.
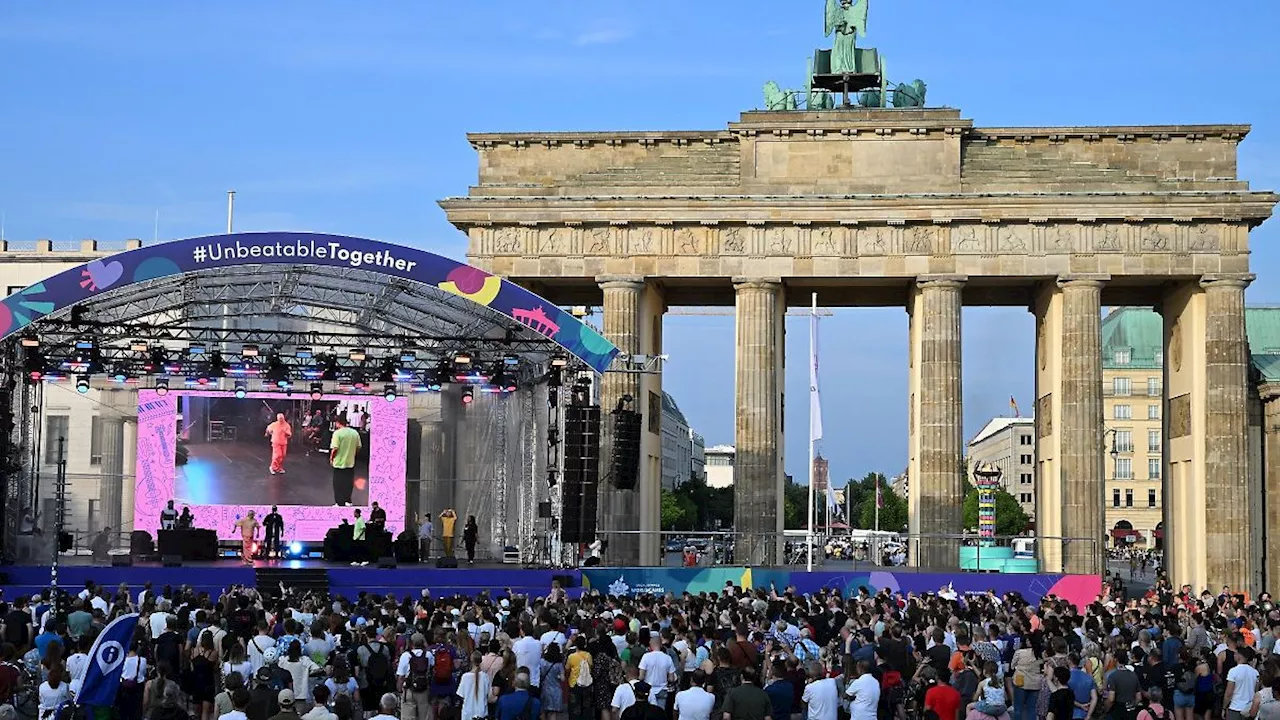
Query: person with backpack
x=377, y=676
x=446, y=669
x=580, y=680
x=414, y=679
x=1153, y=708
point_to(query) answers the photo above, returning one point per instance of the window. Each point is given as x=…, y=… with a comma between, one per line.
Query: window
x=1159, y=357
x=1153, y=441
x=1024, y=440
x=1124, y=441
x=655, y=413
x=1115, y=498
x=1120, y=386
x=94, y=513
x=1153, y=468
x=1153, y=412
x=55, y=426
x=1153, y=387
x=1025, y=478
x=1151, y=498
x=1122, y=357
x=1128, y=498
x=1124, y=469
x=1024, y=498
x=1025, y=459
x=95, y=441
x=1123, y=412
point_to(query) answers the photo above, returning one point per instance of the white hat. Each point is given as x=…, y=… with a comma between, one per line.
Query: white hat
x=504, y=603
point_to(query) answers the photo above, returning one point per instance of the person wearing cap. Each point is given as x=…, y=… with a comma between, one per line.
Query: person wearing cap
x=642, y=709
x=287, y=710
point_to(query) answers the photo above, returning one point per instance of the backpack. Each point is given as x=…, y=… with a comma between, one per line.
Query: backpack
x=584, y=674
x=377, y=669
x=420, y=672
x=1188, y=683
x=444, y=666
x=1147, y=708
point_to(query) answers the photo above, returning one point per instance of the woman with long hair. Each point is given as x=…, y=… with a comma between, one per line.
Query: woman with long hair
x=473, y=688
x=53, y=693
x=300, y=669
x=1027, y=679
x=237, y=662
x=470, y=535
x=551, y=683
x=203, y=679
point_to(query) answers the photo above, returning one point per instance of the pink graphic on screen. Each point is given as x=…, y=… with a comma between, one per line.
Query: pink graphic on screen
x=157, y=471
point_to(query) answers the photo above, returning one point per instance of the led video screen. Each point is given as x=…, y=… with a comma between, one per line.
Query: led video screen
x=222, y=456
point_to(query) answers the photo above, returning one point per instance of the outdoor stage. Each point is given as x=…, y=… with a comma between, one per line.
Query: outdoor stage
x=411, y=579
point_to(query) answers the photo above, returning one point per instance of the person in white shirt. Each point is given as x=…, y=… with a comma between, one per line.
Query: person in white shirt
x=239, y=701
x=258, y=645
x=387, y=708
x=554, y=635
x=100, y=603
x=528, y=652
x=821, y=695
x=624, y=696
x=473, y=688
x=1242, y=682
x=863, y=693
x=78, y=666
x=159, y=619
x=695, y=703
x=657, y=670
x=53, y=693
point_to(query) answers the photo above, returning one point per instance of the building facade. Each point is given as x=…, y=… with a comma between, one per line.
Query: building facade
x=720, y=463
x=1010, y=444
x=683, y=450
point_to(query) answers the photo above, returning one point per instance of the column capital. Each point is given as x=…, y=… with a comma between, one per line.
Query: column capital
x=1232, y=281
x=1269, y=392
x=757, y=283
x=620, y=282
x=1083, y=280
x=941, y=281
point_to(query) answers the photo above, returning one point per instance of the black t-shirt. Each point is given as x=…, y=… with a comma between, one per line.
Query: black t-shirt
x=894, y=654
x=746, y=702
x=1150, y=676
x=1124, y=682
x=643, y=711
x=1062, y=704
x=939, y=656
x=169, y=650
x=15, y=628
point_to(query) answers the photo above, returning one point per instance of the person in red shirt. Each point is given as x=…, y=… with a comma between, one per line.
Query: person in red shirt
x=941, y=698
x=280, y=433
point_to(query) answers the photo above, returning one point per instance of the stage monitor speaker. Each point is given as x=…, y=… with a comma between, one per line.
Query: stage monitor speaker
x=121, y=561
x=387, y=563
x=447, y=562
x=581, y=473
x=544, y=510
x=171, y=561
x=626, y=449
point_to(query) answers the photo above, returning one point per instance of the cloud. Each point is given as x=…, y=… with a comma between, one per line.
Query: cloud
x=610, y=36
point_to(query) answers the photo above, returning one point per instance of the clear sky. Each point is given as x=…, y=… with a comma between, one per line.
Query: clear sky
x=349, y=117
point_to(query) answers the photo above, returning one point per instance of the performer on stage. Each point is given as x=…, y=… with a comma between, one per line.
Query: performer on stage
x=447, y=519
x=279, y=431
x=470, y=534
x=342, y=458
x=424, y=536
x=248, y=527
x=168, y=517
x=186, y=521
x=377, y=518
x=273, y=528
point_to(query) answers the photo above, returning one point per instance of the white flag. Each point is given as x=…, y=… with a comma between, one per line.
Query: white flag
x=831, y=497
x=815, y=405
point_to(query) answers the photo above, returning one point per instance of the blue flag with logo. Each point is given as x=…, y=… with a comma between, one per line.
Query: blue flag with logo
x=106, y=663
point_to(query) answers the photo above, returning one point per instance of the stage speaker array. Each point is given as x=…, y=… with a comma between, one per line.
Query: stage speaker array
x=581, y=473
x=626, y=449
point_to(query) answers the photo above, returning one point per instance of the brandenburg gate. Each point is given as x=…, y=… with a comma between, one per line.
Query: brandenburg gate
x=919, y=209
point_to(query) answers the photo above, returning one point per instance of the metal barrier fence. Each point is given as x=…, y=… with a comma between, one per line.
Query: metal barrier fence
x=858, y=551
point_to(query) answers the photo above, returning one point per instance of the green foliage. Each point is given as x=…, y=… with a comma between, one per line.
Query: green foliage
x=1010, y=518
x=678, y=511
x=893, y=514
x=795, y=503
x=696, y=506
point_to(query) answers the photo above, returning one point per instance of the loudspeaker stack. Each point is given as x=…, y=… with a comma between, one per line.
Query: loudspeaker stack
x=581, y=473
x=626, y=448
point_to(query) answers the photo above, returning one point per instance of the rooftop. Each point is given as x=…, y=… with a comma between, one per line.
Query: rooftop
x=1133, y=337
x=999, y=425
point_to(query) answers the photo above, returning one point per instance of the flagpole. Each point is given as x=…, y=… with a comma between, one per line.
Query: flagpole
x=813, y=359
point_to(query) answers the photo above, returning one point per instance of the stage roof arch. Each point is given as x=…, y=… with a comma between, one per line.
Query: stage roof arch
x=335, y=281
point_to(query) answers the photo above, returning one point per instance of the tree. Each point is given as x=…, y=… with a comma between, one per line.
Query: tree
x=678, y=511
x=711, y=507
x=855, y=492
x=795, y=505
x=893, y=511
x=1010, y=518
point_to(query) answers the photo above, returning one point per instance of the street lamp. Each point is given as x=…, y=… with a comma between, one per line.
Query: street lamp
x=1115, y=451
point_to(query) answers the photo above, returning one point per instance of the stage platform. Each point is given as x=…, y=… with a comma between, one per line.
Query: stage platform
x=499, y=579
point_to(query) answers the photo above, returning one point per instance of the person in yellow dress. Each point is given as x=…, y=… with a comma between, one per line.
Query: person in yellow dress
x=447, y=519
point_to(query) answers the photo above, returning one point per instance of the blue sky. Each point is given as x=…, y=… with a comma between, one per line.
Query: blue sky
x=350, y=117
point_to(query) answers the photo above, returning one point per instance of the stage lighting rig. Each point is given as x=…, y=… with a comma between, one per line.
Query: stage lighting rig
x=242, y=389
x=82, y=384
x=357, y=355
x=138, y=346
x=162, y=386
x=387, y=371
x=468, y=395
x=317, y=390
x=249, y=351
x=462, y=359
x=30, y=341
x=328, y=364
x=120, y=373
x=389, y=393
x=434, y=380
x=33, y=364
x=217, y=366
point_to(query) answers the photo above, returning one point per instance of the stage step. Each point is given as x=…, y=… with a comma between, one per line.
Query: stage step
x=268, y=579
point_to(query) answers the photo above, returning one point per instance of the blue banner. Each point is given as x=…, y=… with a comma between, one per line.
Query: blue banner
x=106, y=663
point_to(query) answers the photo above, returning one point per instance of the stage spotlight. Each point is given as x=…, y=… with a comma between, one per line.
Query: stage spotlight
x=468, y=395
x=217, y=366
x=408, y=357
x=357, y=355
x=82, y=384
x=358, y=382
x=162, y=386
x=84, y=344
x=389, y=392
x=242, y=389
x=30, y=341
x=387, y=371
x=138, y=346
x=434, y=380
x=462, y=359
x=195, y=349
x=295, y=547
x=504, y=382
x=120, y=373
x=559, y=361
x=317, y=390
x=511, y=360
x=303, y=353
x=249, y=351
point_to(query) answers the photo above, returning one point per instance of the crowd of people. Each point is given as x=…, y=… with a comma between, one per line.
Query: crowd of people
x=737, y=654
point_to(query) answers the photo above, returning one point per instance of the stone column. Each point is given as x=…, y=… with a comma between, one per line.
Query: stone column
x=758, y=476
x=1226, y=460
x=128, y=491
x=1081, y=457
x=619, y=511
x=936, y=419
x=1271, y=482
x=111, y=482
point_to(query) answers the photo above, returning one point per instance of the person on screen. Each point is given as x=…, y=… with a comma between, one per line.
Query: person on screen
x=272, y=528
x=168, y=517
x=279, y=432
x=342, y=458
x=447, y=519
x=248, y=527
x=186, y=520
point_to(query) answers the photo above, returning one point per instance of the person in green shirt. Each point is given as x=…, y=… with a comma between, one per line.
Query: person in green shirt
x=342, y=458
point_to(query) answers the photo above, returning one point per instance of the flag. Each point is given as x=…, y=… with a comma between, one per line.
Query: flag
x=815, y=404
x=1013, y=405
x=106, y=663
x=831, y=497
